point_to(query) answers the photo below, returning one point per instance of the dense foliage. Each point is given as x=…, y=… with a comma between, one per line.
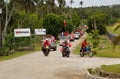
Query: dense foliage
x=46, y=14
x=53, y=24
x=97, y=22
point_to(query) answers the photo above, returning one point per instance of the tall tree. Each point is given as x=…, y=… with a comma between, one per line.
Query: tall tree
x=81, y=3
x=41, y=8
x=50, y=6
x=1, y=6
x=27, y=5
x=62, y=3
x=80, y=11
x=71, y=2
x=71, y=10
x=116, y=40
x=9, y=9
x=53, y=24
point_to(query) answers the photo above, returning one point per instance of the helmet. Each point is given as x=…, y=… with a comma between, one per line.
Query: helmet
x=47, y=40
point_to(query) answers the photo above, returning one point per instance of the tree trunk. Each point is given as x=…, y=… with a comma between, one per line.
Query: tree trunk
x=0, y=33
x=8, y=18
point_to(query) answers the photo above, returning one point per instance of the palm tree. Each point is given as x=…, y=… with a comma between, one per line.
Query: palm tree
x=8, y=12
x=62, y=3
x=95, y=38
x=117, y=27
x=9, y=9
x=27, y=5
x=41, y=8
x=50, y=6
x=81, y=3
x=116, y=40
x=71, y=2
x=12, y=9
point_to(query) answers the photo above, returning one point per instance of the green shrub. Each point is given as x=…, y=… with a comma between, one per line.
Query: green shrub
x=10, y=42
x=4, y=51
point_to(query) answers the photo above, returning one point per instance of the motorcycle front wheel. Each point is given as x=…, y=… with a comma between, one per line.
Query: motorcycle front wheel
x=63, y=54
x=82, y=54
x=46, y=52
x=68, y=53
x=90, y=54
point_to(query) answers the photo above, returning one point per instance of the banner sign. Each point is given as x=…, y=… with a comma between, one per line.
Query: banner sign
x=40, y=31
x=22, y=32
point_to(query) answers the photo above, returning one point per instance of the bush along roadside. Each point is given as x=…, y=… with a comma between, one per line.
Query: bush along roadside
x=98, y=72
x=8, y=48
x=12, y=44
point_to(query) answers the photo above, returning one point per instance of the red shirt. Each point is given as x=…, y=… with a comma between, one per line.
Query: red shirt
x=68, y=44
x=84, y=44
x=47, y=43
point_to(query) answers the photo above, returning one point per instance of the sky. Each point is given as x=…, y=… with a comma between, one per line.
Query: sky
x=89, y=3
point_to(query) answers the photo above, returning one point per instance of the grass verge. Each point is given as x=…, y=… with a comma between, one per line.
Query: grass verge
x=111, y=68
x=109, y=52
x=77, y=49
x=106, y=71
x=105, y=48
x=20, y=53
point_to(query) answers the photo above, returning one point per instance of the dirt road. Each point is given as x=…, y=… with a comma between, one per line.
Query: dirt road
x=54, y=66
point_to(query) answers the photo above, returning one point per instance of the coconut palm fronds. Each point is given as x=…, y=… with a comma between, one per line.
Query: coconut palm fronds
x=116, y=41
x=110, y=35
x=116, y=27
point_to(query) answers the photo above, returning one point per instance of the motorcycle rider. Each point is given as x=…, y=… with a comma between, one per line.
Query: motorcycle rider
x=84, y=44
x=66, y=45
x=86, y=49
x=45, y=43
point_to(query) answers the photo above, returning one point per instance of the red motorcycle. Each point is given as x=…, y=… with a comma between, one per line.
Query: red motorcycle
x=66, y=50
x=46, y=50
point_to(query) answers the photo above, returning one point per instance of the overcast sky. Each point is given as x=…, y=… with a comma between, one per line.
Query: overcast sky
x=88, y=3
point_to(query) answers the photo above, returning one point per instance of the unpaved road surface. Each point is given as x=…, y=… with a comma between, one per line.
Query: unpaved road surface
x=54, y=66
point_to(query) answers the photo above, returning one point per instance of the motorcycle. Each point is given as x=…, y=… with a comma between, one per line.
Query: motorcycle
x=86, y=50
x=65, y=51
x=46, y=50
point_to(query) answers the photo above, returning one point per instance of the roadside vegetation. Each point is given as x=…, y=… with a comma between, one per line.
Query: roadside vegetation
x=19, y=53
x=37, y=47
x=111, y=68
x=106, y=71
x=46, y=14
x=105, y=47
